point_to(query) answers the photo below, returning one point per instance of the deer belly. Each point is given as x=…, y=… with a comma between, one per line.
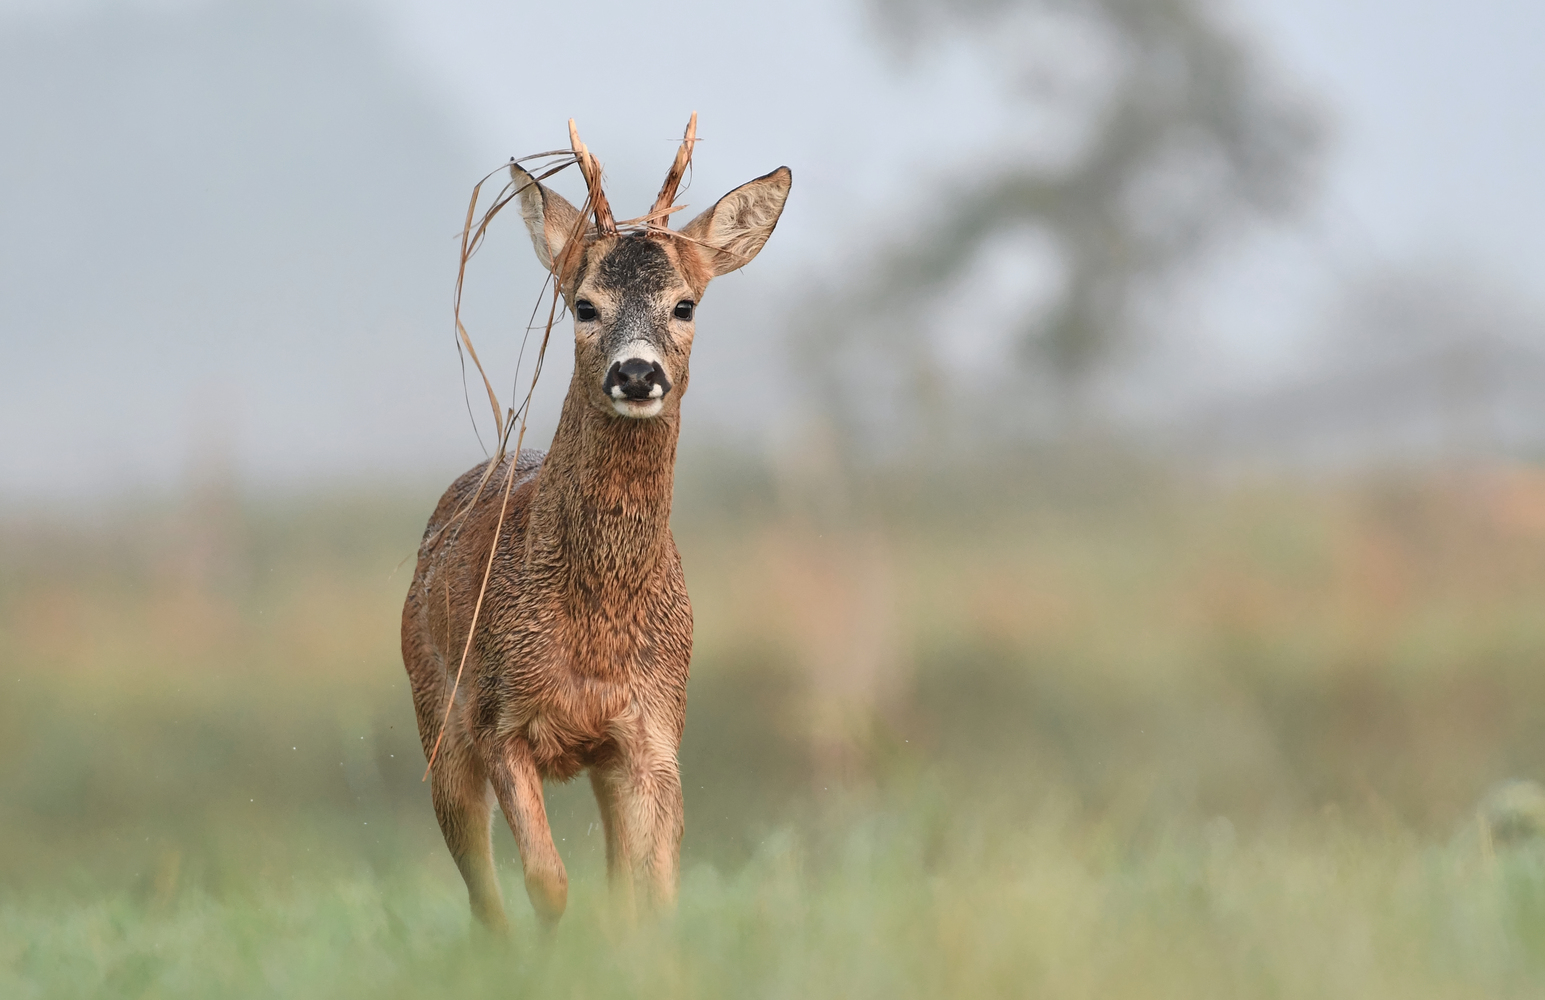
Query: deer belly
x=571, y=733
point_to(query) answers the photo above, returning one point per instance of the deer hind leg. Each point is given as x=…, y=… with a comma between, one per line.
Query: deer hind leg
x=639, y=795
x=518, y=786
x=462, y=805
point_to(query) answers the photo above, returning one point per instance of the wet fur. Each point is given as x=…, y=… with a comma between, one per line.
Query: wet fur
x=580, y=653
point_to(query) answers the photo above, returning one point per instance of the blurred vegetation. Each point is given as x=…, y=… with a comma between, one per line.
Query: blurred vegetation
x=1074, y=721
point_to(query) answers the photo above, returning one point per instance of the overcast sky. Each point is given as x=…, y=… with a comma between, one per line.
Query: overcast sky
x=229, y=228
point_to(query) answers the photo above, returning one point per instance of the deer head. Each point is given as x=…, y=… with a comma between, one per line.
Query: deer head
x=634, y=289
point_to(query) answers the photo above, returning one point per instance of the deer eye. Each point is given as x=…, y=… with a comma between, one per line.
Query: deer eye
x=684, y=309
x=583, y=310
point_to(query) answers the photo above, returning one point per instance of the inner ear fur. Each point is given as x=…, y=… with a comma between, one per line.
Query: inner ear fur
x=549, y=217
x=731, y=233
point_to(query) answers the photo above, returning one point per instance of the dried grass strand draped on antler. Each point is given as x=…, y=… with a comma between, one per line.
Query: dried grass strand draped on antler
x=667, y=197
x=605, y=225
x=470, y=242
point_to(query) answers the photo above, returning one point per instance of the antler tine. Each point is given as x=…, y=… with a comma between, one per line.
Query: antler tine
x=667, y=195
x=604, y=223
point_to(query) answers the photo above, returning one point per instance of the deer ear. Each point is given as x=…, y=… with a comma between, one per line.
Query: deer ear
x=550, y=219
x=733, y=231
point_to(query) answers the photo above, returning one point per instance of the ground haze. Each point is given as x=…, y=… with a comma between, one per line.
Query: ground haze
x=1097, y=730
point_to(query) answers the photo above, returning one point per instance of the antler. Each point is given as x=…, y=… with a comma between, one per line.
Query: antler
x=667, y=195
x=604, y=223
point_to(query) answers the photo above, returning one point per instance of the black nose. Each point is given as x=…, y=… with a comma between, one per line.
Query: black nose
x=636, y=378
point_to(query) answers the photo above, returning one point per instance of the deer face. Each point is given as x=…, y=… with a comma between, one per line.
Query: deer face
x=633, y=305
x=634, y=295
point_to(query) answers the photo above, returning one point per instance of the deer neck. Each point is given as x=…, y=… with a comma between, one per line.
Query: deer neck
x=603, y=503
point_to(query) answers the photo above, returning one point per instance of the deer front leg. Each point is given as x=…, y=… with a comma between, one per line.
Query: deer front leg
x=669, y=815
x=639, y=795
x=606, y=781
x=512, y=771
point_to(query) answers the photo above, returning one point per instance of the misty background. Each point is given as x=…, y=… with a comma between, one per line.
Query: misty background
x=228, y=229
x=1112, y=502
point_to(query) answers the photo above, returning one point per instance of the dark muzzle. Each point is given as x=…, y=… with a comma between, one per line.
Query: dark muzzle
x=636, y=378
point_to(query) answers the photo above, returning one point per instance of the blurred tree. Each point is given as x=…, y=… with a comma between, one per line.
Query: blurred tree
x=1167, y=136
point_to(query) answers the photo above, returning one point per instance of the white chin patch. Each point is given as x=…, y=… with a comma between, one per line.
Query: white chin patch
x=638, y=408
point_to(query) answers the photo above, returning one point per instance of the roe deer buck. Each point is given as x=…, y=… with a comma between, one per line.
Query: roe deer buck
x=575, y=651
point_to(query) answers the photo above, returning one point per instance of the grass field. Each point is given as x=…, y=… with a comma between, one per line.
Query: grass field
x=894, y=908
x=1133, y=736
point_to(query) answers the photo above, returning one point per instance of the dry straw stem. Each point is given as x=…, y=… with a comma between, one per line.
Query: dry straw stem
x=470, y=242
x=509, y=480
